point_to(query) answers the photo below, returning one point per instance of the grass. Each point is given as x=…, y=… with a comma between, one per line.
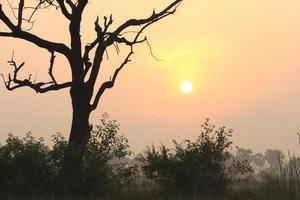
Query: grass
x=282, y=183
x=244, y=194
x=266, y=190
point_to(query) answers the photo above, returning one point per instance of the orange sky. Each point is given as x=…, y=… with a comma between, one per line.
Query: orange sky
x=243, y=58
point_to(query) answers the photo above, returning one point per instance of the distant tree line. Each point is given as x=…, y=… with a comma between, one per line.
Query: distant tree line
x=271, y=158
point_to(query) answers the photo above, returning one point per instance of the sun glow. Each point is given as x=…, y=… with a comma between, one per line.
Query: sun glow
x=186, y=87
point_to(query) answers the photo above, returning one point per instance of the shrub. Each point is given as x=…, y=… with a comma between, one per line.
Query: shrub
x=24, y=165
x=28, y=166
x=194, y=166
x=106, y=144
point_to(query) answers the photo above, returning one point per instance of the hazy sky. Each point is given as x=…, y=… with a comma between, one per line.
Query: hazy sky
x=242, y=56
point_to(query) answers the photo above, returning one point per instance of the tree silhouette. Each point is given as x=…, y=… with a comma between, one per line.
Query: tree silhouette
x=85, y=68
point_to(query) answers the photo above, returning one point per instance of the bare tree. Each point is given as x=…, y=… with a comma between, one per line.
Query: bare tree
x=85, y=60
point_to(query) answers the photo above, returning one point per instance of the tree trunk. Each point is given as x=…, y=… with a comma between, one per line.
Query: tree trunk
x=79, y=136
x=80, y=129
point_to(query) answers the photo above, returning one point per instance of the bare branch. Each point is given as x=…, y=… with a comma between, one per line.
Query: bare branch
x=76, y=62
x=151, y=52
x=80, y=6
x=115, y=38
x=88, y=48
x=92, y=45
x=6, y=20
x=71, y=4
x=117, y=48
x=101, y=48
x=42, y=4
x=64, y=9
x=22, y=7
x=107, y=23
x=50, y=46
x=51, y=68
x=40, y=87
x=12, y=9
x=98, y=29
x=129, y=43
x=20, y=13
x=110, y=84
x=16, y=32
x=139, y=22
x=100, y=38
x=4, y=80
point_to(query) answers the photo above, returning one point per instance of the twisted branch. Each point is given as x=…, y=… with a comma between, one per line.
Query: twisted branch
x=14, y=82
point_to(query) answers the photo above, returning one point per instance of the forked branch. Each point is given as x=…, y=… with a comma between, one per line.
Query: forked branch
x=110, y=84
x=64, y=9
x=116, y=37
x=14, y=82
x=17, y=32
x=171, y=9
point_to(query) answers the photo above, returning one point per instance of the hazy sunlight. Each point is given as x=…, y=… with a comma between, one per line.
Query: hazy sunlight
x=186, y=87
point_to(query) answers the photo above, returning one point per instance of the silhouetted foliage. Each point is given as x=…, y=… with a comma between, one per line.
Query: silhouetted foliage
x=25, y=165
x=28, y=166
x=105, y=144
x=194, y=166
x=29, y=169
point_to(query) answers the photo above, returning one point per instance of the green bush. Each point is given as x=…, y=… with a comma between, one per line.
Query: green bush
x=24, y=165
x=106, y=144
x=30, y=167
x=194, y=166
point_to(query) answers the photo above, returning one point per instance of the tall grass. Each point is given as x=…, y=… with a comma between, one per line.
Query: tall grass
x=285, y=179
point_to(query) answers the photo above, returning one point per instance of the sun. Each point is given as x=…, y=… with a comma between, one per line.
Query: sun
x=186, y=87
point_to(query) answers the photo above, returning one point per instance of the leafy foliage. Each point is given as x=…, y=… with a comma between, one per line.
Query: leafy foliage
x=28, y=166
x=24, y=165
x=105, y=145
x=194, y=166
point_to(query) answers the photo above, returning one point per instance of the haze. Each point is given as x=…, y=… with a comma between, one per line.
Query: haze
x=243, y=58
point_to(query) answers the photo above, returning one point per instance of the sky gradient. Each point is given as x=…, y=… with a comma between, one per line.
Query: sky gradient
x=243, y=58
